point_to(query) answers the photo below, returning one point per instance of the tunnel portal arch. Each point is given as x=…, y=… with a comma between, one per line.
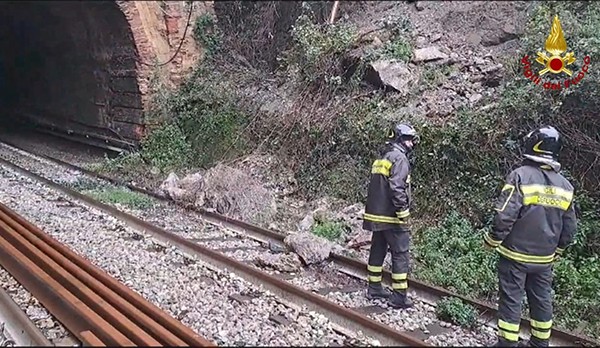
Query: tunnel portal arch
x=79, y=65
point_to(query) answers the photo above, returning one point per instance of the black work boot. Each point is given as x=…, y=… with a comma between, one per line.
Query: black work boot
x=504, y=343
x=535, y=342
x=376, y=290
x=400, y=300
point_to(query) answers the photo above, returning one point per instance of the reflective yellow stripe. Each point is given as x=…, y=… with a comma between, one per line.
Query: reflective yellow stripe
x=559, y=251
x=374, y=279
x=380, y=170
x=399, y=276
x=403, y=214
x=375, y=269
x=508, y=335
x=513, y=255
x=400, y=286
x=544, y=325
x=508, y=331
x=548, y=190
x=550, y=196
x=546, y=201
x=381, y=167
x=381, y=218
x=508, y=326
x=543, y=335
x=507, y=187
x=512, y=190
x=491, y=241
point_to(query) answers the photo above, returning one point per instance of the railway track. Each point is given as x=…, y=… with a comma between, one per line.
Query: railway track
x=97, y=309
x=16, y=329
x=353, y=269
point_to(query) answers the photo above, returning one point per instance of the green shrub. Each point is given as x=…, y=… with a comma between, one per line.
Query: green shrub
x=330, y=230
x=577, y=289
x=398, y=49
x=206, y=123
x=167, y=147
x=454, y=310
x=207, y=34
x=452, y=256
x=317, y=49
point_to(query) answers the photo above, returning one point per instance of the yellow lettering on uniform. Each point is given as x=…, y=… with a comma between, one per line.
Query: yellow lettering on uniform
x=545, y=195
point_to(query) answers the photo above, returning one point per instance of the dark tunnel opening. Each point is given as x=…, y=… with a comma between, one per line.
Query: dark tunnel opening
x=70, y=65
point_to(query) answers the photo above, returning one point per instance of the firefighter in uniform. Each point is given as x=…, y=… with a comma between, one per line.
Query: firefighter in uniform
x=534, y=223
x=386, y=214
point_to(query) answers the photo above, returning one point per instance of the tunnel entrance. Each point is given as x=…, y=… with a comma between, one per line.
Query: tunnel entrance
x=70, y=66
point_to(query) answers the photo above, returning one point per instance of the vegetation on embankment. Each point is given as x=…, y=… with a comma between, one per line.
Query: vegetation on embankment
x=332, y=130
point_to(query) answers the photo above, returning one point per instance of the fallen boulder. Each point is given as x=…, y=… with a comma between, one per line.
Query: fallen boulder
x=310, y=248
x=390, y=73
x=428, y=54
x=280, y=262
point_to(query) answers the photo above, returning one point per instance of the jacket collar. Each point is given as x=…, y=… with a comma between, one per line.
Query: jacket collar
x=543, y=163
x=397, y=146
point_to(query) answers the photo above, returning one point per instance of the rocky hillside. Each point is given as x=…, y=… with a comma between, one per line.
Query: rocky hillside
x=293, y=109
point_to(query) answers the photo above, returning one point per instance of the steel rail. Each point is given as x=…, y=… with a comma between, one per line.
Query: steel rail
x=488, y=312
x=340, y=315
x=88, y=309
x=18, y=325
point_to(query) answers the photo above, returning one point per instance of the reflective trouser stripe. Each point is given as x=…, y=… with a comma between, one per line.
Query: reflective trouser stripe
x=375, y=269
x=508, y=331
x=374, y=273
x=541, y=329
x=382, y=219
x=491, y=241
x=559, y=251
x=400, y=281
x=542, y=335
x=400, y=286
x=515, y=256
x=403, y=214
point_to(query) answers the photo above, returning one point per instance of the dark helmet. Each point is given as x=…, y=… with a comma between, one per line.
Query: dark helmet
x=402, y=132
x=543, y=142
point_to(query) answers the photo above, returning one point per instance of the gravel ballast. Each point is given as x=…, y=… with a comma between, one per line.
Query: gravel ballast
x=189, y=290
x=190, y=225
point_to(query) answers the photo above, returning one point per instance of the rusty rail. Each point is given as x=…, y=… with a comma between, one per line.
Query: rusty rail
x=93, y=306
x=18, y=325
x=488, y=312
x=347, y=318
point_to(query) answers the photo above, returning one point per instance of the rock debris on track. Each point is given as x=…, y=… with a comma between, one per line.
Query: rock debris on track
x=198, y=296
x=420, y=320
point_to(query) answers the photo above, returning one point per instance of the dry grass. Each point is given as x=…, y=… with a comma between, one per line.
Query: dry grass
x=236, y=194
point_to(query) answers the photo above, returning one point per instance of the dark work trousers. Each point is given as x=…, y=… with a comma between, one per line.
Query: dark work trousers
x=515, y=279
x=398, y=242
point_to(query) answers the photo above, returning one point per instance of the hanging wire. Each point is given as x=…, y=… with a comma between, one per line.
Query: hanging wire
x=187, y=25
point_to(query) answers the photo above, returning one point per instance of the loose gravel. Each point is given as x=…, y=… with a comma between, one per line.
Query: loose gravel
x=49, y=326
x=421, y=320
x=186, y=288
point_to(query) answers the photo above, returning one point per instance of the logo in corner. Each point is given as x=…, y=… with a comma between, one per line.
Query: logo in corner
x=555, y=63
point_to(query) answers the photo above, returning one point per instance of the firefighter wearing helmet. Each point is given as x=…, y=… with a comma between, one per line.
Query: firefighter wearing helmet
x=386, y=215
x=535, y=221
